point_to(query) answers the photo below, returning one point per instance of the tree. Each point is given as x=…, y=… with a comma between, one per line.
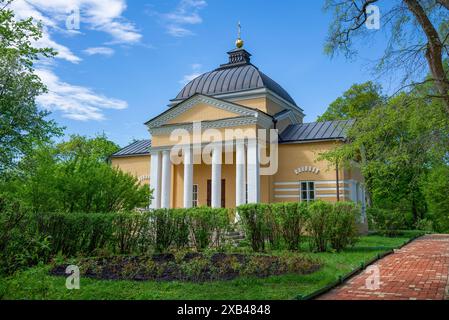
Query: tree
x=21, y=122
x=418, y=32
x=74, y=176
x=397, y=143
x=355, y=102
x=436, y=187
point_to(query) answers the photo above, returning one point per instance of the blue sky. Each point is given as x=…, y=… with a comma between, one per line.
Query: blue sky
x=129, y=58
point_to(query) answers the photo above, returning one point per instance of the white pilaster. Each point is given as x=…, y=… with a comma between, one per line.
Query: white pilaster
x=253, y=174
x=155, y=179
x=240, y=175
x=188, y=177
x=166, y=180
x=216, y=177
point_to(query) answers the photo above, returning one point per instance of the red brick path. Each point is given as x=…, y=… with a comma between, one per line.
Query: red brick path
x=419, y=271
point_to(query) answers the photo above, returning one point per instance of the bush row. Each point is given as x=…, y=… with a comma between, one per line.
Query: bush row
x=283, y=225
x=35, y=237
x=391, y=222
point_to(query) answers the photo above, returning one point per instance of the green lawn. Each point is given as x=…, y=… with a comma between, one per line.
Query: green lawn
x=35, y=283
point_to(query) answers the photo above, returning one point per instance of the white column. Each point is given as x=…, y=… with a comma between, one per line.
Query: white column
x=155, y=179
x=216, y=177
x=240, y=174
x=253, y=174
x=188, y=177
x=166, y=180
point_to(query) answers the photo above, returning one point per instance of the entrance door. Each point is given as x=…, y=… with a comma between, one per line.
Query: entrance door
x=223, y=193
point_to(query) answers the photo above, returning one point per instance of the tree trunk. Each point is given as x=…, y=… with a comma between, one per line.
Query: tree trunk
x=444, y=3
x=434, y=52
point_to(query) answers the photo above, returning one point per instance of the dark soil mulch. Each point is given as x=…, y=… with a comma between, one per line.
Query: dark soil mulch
x=193, y=267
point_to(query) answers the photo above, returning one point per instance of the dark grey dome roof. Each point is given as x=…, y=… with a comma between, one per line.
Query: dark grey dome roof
x=238, y=75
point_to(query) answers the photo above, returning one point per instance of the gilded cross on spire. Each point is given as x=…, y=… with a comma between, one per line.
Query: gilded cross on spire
x=239, y=43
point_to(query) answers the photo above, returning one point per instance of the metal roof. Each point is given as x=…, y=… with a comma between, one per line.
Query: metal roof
x=237, y=75
x=137, y=148
x=329, y=130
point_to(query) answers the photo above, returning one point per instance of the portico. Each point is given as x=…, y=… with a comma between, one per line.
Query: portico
x=245, y=167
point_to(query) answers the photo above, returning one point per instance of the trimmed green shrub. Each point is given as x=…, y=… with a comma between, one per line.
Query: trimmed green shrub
x=387, y=221
x=29, y=238
x=254, y=220
x=207, y=226
x=282, y=224
x=342, y=225
x=20, y=247
x=181, y=227
x=163, y=230
x=291, y=220
x=75, y=233
x=318, y=224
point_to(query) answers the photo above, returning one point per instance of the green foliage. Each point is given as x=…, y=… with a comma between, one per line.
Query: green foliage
x=20, y=245
x=291, y=218
x=319, y=224
x=21, y=123
x=396, y=145
x=387, y=221
x=436, y=188
x=355, y=102
x=333, y=225
x=410, y=24
x=254, y=219
x=343, y=227
x=425, y=225
x=27, y=238
x=207, y=226
x=75, y=233
x=283, y=224
x=74, y=177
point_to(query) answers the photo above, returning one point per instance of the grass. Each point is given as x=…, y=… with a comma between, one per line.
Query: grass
x=36, y=284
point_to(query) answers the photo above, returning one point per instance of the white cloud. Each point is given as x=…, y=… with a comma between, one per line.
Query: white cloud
x=75, y=102
x=185, y=14
x=104, y=51
x=101, y=15
x=196, y=67
x=63, y=52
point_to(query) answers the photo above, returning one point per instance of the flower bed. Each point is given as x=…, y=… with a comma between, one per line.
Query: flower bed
x=191, y=267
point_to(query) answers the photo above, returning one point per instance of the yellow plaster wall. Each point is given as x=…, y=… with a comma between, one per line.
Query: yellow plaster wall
x=294, y=156
x=203, y=112
x=259, y=103
x=164, y=140
x=138, y=167
x=264, y=104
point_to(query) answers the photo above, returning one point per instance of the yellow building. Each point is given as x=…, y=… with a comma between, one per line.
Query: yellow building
x=235, y=136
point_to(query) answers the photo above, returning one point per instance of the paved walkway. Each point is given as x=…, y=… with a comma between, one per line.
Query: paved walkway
x=419, y=271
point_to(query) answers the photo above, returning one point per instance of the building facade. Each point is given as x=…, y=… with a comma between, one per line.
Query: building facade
x=235, y=136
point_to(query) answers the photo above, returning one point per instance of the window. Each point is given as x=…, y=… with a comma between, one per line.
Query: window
x=307, y=191
x=195, y=196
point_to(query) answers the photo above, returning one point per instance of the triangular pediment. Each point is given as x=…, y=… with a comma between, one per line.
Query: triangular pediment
x=201, y=108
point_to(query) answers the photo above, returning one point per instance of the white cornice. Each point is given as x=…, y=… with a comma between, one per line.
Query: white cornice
x=288, y=115
x=265, y=122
